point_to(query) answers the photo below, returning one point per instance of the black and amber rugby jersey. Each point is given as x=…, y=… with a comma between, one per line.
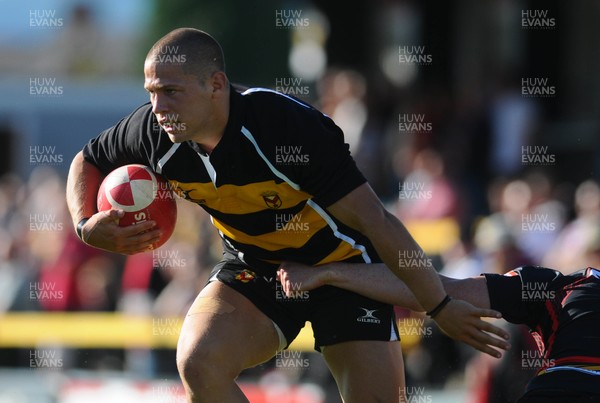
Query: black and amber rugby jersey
x=266, y=185
x=562, y=312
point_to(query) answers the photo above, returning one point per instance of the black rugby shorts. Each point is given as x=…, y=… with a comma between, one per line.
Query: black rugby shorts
x=336, y=315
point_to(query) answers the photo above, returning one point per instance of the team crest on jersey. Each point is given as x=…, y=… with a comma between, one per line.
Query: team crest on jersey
x=245, y=276
x=272, y=199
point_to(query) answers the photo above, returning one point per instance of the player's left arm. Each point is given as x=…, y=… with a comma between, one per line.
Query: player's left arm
x=375, y=281
x=362, y=210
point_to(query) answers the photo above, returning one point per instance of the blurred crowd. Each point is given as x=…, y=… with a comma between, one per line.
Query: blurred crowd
x=457, y=178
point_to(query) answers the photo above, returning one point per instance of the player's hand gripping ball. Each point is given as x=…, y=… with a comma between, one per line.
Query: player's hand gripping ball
x=142, y=195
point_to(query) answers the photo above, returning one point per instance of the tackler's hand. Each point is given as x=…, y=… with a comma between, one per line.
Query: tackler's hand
x=462, y=321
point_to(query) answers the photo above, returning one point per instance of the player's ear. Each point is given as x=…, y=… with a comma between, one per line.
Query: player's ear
x=219, y=82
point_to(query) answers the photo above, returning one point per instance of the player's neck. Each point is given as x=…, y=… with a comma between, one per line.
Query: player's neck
x=208, y=146
x=209, y=140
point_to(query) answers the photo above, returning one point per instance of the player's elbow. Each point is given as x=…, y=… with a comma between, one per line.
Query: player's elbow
x=80, y=168
x=376, y=221
x=382, y=225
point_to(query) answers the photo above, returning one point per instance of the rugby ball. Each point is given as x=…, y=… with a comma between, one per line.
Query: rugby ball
x=143, y=195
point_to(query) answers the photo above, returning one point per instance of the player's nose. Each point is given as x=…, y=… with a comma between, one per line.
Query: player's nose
x=159, y=106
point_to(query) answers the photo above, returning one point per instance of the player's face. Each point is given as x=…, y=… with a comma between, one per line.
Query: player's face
x=184, y=107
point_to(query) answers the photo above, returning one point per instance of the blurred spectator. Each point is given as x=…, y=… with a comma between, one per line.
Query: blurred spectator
x=13, y=271
x=426, y=192
x=341, y=96
x=579, y=238
x=496, y=235
x=78, y=50
x=543, y=219
x=514, y=119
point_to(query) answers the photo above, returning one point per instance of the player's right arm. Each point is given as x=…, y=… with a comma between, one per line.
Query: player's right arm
x=131, y=140
x=102, y=228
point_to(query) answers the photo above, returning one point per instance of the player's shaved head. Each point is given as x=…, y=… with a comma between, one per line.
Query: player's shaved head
x=196, y=51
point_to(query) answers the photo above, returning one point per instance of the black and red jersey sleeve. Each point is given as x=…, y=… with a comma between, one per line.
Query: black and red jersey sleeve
x=131, y=141
x=520, y=295
x=309, y=147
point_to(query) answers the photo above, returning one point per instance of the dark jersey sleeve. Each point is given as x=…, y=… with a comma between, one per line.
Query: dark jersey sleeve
x=309, y=148
x=130, y=141
x=520, y=294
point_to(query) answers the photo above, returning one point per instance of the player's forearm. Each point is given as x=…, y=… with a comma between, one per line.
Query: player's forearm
x=473, y=290
x=375, y=281
x=362, y=210
x=405, y=258
x=82, y=187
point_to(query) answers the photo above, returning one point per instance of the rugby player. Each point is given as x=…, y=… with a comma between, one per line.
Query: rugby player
x=229, y=152
x=561, y=311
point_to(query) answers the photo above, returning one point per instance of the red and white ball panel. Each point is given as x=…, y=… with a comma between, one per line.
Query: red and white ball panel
x=131, y=188
x=142, y=195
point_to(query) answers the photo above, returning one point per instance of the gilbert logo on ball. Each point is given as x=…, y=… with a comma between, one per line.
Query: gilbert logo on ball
x=142, y=195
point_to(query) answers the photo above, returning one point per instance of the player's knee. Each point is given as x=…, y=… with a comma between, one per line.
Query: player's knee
x=202, y=367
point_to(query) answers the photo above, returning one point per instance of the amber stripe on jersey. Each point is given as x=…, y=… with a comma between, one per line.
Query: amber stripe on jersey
x=286, y=225
x=240, y=199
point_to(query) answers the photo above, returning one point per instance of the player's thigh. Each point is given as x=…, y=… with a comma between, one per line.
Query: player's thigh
x=367, y=371
x=224, y=326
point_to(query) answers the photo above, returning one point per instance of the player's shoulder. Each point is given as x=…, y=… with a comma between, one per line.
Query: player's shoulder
x=138, y=126
x=271, y=97
x=142, y=112
x=140, y=116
